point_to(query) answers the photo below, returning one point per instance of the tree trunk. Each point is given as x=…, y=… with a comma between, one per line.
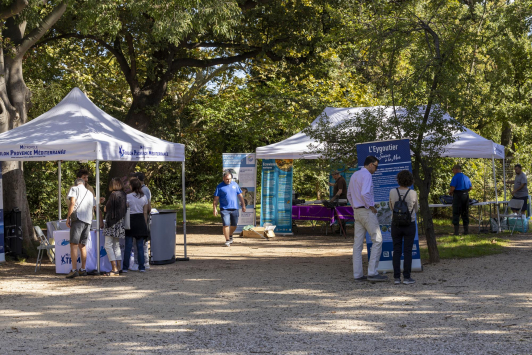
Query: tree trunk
x=428, y=225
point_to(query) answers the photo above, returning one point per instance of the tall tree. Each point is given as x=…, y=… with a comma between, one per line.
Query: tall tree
x=157, y=42
x=24, y=22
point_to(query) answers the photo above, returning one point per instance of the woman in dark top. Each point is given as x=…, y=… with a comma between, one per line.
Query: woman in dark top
x=138, y=214
x=115, y=211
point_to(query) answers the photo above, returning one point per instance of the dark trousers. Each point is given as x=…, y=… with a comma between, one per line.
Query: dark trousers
x=461, y=207
x=403, y=240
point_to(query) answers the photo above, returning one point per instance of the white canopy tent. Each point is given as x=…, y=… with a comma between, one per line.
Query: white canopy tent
x=467, y=143
x=76, y=129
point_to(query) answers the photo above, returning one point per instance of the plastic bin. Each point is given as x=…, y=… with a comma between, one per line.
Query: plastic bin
x=163, y=237
x=521, y=225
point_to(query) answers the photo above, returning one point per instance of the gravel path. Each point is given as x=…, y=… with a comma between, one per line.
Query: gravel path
x=291, y=295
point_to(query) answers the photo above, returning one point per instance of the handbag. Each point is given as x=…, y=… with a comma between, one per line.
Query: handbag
x=74, y=214
x=127, y=219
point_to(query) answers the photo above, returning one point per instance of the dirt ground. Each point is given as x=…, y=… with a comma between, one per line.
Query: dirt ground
x=291, y=295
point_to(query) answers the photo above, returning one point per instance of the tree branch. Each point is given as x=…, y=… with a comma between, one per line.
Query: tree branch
x=15, y=8
x=40, y=30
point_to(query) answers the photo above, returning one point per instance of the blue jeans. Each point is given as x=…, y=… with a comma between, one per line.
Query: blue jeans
x=229, y=217
x=127, y=252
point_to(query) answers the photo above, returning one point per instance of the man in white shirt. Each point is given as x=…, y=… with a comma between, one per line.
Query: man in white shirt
x=361, y=198
x=146, y=191
x=82, y=202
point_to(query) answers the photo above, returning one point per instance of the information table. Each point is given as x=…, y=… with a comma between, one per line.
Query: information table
x=63, y=262
x=321, y=213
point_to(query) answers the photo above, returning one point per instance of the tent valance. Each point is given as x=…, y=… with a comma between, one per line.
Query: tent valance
x=468, y=144
x=76, y=129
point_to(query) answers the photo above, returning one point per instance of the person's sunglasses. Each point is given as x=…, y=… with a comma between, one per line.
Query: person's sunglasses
x=375, y=165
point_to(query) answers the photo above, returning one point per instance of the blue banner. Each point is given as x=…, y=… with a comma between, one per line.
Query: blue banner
x=243, y=166
x=276, y=202
x=2, y=243
x=393, y=156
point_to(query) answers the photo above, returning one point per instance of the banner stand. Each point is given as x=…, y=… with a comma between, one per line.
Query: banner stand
x=394, y=156
x=276, y=194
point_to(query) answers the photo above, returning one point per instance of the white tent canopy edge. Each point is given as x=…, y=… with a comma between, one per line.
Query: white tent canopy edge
x=467, y=144
x=76, y=129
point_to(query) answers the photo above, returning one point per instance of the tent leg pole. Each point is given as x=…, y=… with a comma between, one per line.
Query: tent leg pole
x=504, y=176
x=59, y=188
x=185, y=258
x=98, y=216
x=496, y=195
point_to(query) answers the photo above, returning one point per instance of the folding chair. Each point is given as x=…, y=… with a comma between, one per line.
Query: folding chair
x=516, y=205
x=45, y=245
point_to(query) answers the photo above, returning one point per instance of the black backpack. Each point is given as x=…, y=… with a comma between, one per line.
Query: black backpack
x=401, y=216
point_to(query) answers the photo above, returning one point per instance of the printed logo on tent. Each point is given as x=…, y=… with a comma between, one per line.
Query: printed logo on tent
x=65, y=242
x=102, y=252
x=121, y=151
x=23, y=146
x=141, y=152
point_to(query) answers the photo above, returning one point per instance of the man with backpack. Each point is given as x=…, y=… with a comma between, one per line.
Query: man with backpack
x=404, y=204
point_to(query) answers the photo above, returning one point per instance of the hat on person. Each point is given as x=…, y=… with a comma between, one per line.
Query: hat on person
x=335, y=172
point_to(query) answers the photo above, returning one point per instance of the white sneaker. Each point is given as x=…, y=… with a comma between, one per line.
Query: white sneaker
x=228, y=243
x=134, y=267
x=147, y=266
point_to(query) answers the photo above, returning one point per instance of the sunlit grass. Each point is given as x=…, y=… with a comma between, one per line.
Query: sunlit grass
x=467, y=246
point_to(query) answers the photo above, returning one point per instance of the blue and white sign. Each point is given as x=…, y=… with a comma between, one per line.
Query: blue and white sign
x=2, y=242
x=243, y=166
x=393, y=156
x=276, y=202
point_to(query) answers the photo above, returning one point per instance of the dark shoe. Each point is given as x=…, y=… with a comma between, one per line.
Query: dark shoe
x=456, y=230
x=466, y=230
x=377, y=278
x=72, y=274
x=397, y=281
x=363, y=278
x=409, y=281
x=82, y=272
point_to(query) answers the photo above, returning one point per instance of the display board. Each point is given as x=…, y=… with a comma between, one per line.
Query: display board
x=243, y=166
x=276, y=201
x=394, y=156
x=2, y=242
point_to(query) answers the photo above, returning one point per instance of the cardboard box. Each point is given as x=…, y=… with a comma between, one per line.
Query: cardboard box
x=259, y=232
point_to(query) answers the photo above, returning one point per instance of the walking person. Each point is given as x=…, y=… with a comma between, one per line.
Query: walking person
x=460, y=187
x=361, y=198
x=228, y=193
x=115, y=211
x=138, y=218
x=79, y=220
x=404, y=227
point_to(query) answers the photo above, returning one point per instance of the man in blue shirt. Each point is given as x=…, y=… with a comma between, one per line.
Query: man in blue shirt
x=460, y=186
x=228, y=193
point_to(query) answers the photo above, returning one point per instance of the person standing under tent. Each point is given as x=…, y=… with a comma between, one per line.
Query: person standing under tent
x=115, y=211
x=361, y=197
x=403, y=236
x=520, y=191
x=84, y=175
x=147, y=193
x=340, y=193
x=138, y=205
x=81, y=202
x=460, y=187
x=228, y=193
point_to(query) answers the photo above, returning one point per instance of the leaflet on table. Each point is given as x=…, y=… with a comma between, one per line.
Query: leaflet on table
x=2, y=243
x=276, y=202
x=394, y=156
x=346, y=173
x=243, y=166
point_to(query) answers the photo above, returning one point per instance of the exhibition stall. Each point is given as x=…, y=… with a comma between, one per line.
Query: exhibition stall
x=78, y=130
x=467, y=144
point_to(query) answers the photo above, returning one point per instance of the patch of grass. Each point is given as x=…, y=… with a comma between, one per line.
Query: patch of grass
x=198, y=212
x=467, y=246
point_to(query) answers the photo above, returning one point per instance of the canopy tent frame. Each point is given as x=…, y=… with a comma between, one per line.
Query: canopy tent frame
x=468, y=144
x=77, y=130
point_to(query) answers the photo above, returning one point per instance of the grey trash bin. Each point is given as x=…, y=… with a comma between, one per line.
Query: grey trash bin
x=162, y=231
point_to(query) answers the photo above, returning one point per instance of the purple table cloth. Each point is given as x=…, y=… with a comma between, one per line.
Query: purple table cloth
x=320, y=213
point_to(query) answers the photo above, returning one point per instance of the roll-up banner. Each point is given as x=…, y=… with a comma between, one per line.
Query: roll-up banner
x=276, y=201
x=394, y=156
x=2, y=243
x=243, y=166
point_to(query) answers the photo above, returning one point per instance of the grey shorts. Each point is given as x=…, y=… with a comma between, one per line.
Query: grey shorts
x=79, y=232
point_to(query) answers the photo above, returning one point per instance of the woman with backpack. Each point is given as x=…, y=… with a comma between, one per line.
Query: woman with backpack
x=404, y=204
